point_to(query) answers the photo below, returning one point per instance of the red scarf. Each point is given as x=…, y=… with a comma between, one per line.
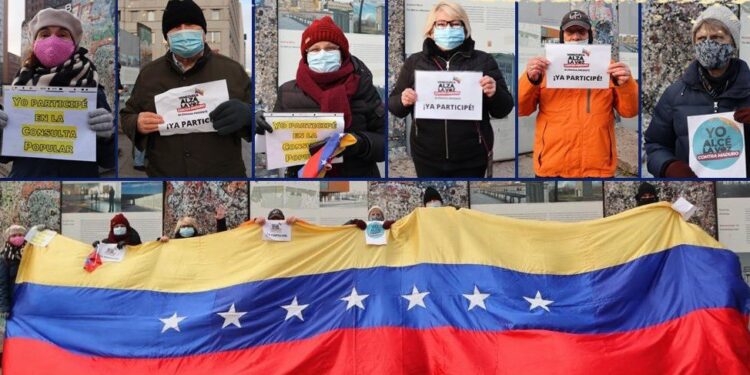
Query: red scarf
x=332, y=91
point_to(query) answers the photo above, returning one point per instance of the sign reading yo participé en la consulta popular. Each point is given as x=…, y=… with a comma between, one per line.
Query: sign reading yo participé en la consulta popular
x=49, y=122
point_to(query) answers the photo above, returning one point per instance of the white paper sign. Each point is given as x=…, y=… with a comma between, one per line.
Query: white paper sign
x=39, y=238
x=110, y=253
x=717, y=146
x=277, y=230
x=375, y=234
x=49, y=122
x=448, y=95
x=293, y=133
x=578, y=66
x=684, y=207
x=185, y=109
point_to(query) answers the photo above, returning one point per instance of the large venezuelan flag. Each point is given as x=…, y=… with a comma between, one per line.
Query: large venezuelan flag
x=454, y=292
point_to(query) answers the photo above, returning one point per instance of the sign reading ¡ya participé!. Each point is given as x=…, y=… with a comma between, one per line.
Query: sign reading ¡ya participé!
x=717, y=146
x=574, y=66
x=448, y=95
x=185, y=109
x=49, y=122
x=293, y=133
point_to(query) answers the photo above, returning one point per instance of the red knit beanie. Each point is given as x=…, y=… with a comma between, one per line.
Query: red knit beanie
x=119, y=219
x=324, y=29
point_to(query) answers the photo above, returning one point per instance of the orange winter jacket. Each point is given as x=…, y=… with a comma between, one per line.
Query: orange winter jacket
x=575, y=128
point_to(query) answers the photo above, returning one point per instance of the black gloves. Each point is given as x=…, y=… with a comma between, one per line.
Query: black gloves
x=231, y=116
x=261, y=125
x=95, y=244
x=121, y=244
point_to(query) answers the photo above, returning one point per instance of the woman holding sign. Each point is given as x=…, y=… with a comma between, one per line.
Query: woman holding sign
x=56, y=59
x=451, y=148
x=330, y=79
x=715, y=82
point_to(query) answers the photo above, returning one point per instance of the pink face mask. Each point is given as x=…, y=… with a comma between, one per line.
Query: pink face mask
x=53, y=51
x=16, y=241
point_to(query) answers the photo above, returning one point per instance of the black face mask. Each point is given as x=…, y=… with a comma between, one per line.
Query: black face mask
x=646, y=201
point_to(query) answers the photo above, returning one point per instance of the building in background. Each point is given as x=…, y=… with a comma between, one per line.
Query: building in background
x=224, y=18
x=11, y=65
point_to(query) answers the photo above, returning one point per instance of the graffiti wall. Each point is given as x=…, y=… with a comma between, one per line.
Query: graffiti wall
x=199, y=199
x=29, y=204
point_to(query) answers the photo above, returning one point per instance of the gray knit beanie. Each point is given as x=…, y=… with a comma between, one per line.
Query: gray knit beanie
x=722, y=14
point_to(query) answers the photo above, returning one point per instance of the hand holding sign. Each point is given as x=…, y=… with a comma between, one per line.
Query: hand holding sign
x=148, y=122
x=408, y=97
x=574, y=66
x=536, y=68
x=489, y=86
x=450, y=95
x=619, y=72
x=186, y=109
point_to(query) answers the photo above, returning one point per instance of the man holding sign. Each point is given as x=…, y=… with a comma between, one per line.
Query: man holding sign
x=190, y=108
x=693, y=132
x=577, y=98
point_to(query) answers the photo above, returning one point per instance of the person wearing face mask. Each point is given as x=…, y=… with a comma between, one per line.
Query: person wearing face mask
x=189, y=61
x=575, y=128
x=275, y=214
x=431, y=198
x=646, y=194
x=329, y=79
x=121, y=233
x=375, y=214
x=56, y=59
x=451, y=148
x=10, y=259
x=716, y=81
x=187, y=226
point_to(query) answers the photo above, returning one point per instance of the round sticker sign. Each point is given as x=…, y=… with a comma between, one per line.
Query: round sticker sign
x=375, y=229
x=717, y=143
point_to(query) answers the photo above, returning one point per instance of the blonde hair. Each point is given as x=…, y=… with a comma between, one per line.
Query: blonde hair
x=453, y=10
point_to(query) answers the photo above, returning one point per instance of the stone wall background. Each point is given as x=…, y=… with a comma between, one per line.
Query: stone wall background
x=29, y=204
x=199, y=199
x=620, y=196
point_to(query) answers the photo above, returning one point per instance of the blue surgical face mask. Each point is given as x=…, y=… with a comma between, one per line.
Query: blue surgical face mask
x=324, y=61
x=186, y=232
x=119, y=231
x=186, y=43
x=449, y=37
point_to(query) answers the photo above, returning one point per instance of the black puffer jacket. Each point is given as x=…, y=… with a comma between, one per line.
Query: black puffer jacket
x=368, y=122
x=462, y=143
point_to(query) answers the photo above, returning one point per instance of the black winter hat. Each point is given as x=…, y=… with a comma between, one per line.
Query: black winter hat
x=645, y=188
x=179, y=12
x=430, y=194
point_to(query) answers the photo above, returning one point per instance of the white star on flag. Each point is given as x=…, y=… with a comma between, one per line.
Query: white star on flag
x=415, y=298
x=173, y=322
x=294, y=309
x=355, y=299
x=476, y=299
x=538, y=301
x=231, y=317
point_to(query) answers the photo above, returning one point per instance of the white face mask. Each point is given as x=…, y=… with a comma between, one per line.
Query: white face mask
x=578, y=42
x=434, y=204
x=119, y=231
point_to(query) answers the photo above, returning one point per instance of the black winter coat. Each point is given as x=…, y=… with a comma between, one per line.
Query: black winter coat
x=666, y=138
x=368, y=122
x=465, y=144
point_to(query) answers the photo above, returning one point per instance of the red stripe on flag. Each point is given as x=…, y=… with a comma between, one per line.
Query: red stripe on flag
x=713, y=341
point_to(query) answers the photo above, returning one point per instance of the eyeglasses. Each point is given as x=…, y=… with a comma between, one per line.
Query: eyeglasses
x=445, y=24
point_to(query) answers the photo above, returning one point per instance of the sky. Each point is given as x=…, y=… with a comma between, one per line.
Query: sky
x=16, y=14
